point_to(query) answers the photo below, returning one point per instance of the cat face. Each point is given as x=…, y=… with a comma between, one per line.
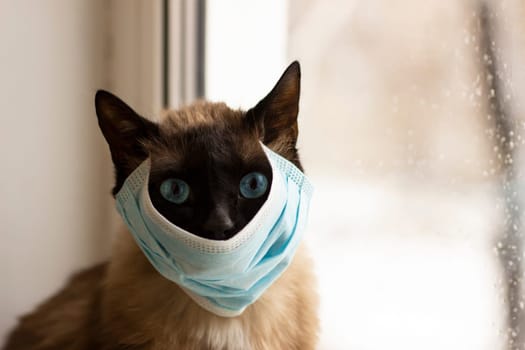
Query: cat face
x=209, y=174
x=196, y=172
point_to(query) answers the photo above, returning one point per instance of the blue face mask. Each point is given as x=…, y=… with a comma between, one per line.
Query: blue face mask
x=223, y=277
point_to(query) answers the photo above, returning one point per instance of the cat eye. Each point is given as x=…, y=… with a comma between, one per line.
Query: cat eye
x=253, y=185
x=175, y=190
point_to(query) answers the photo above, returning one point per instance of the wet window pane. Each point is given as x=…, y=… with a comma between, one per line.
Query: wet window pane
x=412, y=127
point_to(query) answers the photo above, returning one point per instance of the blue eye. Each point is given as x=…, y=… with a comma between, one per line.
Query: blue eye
x=175, y=190
x=253, y=185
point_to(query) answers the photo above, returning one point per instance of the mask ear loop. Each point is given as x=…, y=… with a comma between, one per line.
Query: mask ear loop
x=292, y=172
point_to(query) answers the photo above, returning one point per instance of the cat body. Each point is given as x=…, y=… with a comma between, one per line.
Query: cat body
x=125, y=303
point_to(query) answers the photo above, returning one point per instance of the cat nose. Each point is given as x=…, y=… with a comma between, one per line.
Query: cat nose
x=219, y=223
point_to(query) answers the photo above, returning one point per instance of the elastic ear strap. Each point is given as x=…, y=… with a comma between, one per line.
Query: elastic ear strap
x=292, y=172
x=134, y=182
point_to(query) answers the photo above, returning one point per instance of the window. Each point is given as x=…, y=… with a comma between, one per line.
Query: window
x=410, y=126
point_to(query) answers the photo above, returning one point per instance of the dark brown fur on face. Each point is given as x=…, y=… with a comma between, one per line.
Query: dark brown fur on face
x=212, y=158
x=125, y=303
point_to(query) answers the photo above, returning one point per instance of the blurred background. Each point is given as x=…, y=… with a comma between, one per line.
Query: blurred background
x=411, y=127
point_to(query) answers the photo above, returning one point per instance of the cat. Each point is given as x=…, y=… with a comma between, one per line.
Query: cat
x=125, y=303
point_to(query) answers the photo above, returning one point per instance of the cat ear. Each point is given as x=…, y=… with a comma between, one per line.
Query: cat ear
x=124, y=131
x=275, y=117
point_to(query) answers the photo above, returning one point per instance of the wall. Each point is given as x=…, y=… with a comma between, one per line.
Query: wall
x=55, y=179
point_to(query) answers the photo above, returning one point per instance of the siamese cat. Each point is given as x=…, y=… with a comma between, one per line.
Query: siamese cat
x=199, y=157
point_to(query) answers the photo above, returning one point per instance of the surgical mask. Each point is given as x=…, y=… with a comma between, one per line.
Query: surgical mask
x=223, y=277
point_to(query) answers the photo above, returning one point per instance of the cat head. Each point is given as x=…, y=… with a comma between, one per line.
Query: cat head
x=209, y=173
